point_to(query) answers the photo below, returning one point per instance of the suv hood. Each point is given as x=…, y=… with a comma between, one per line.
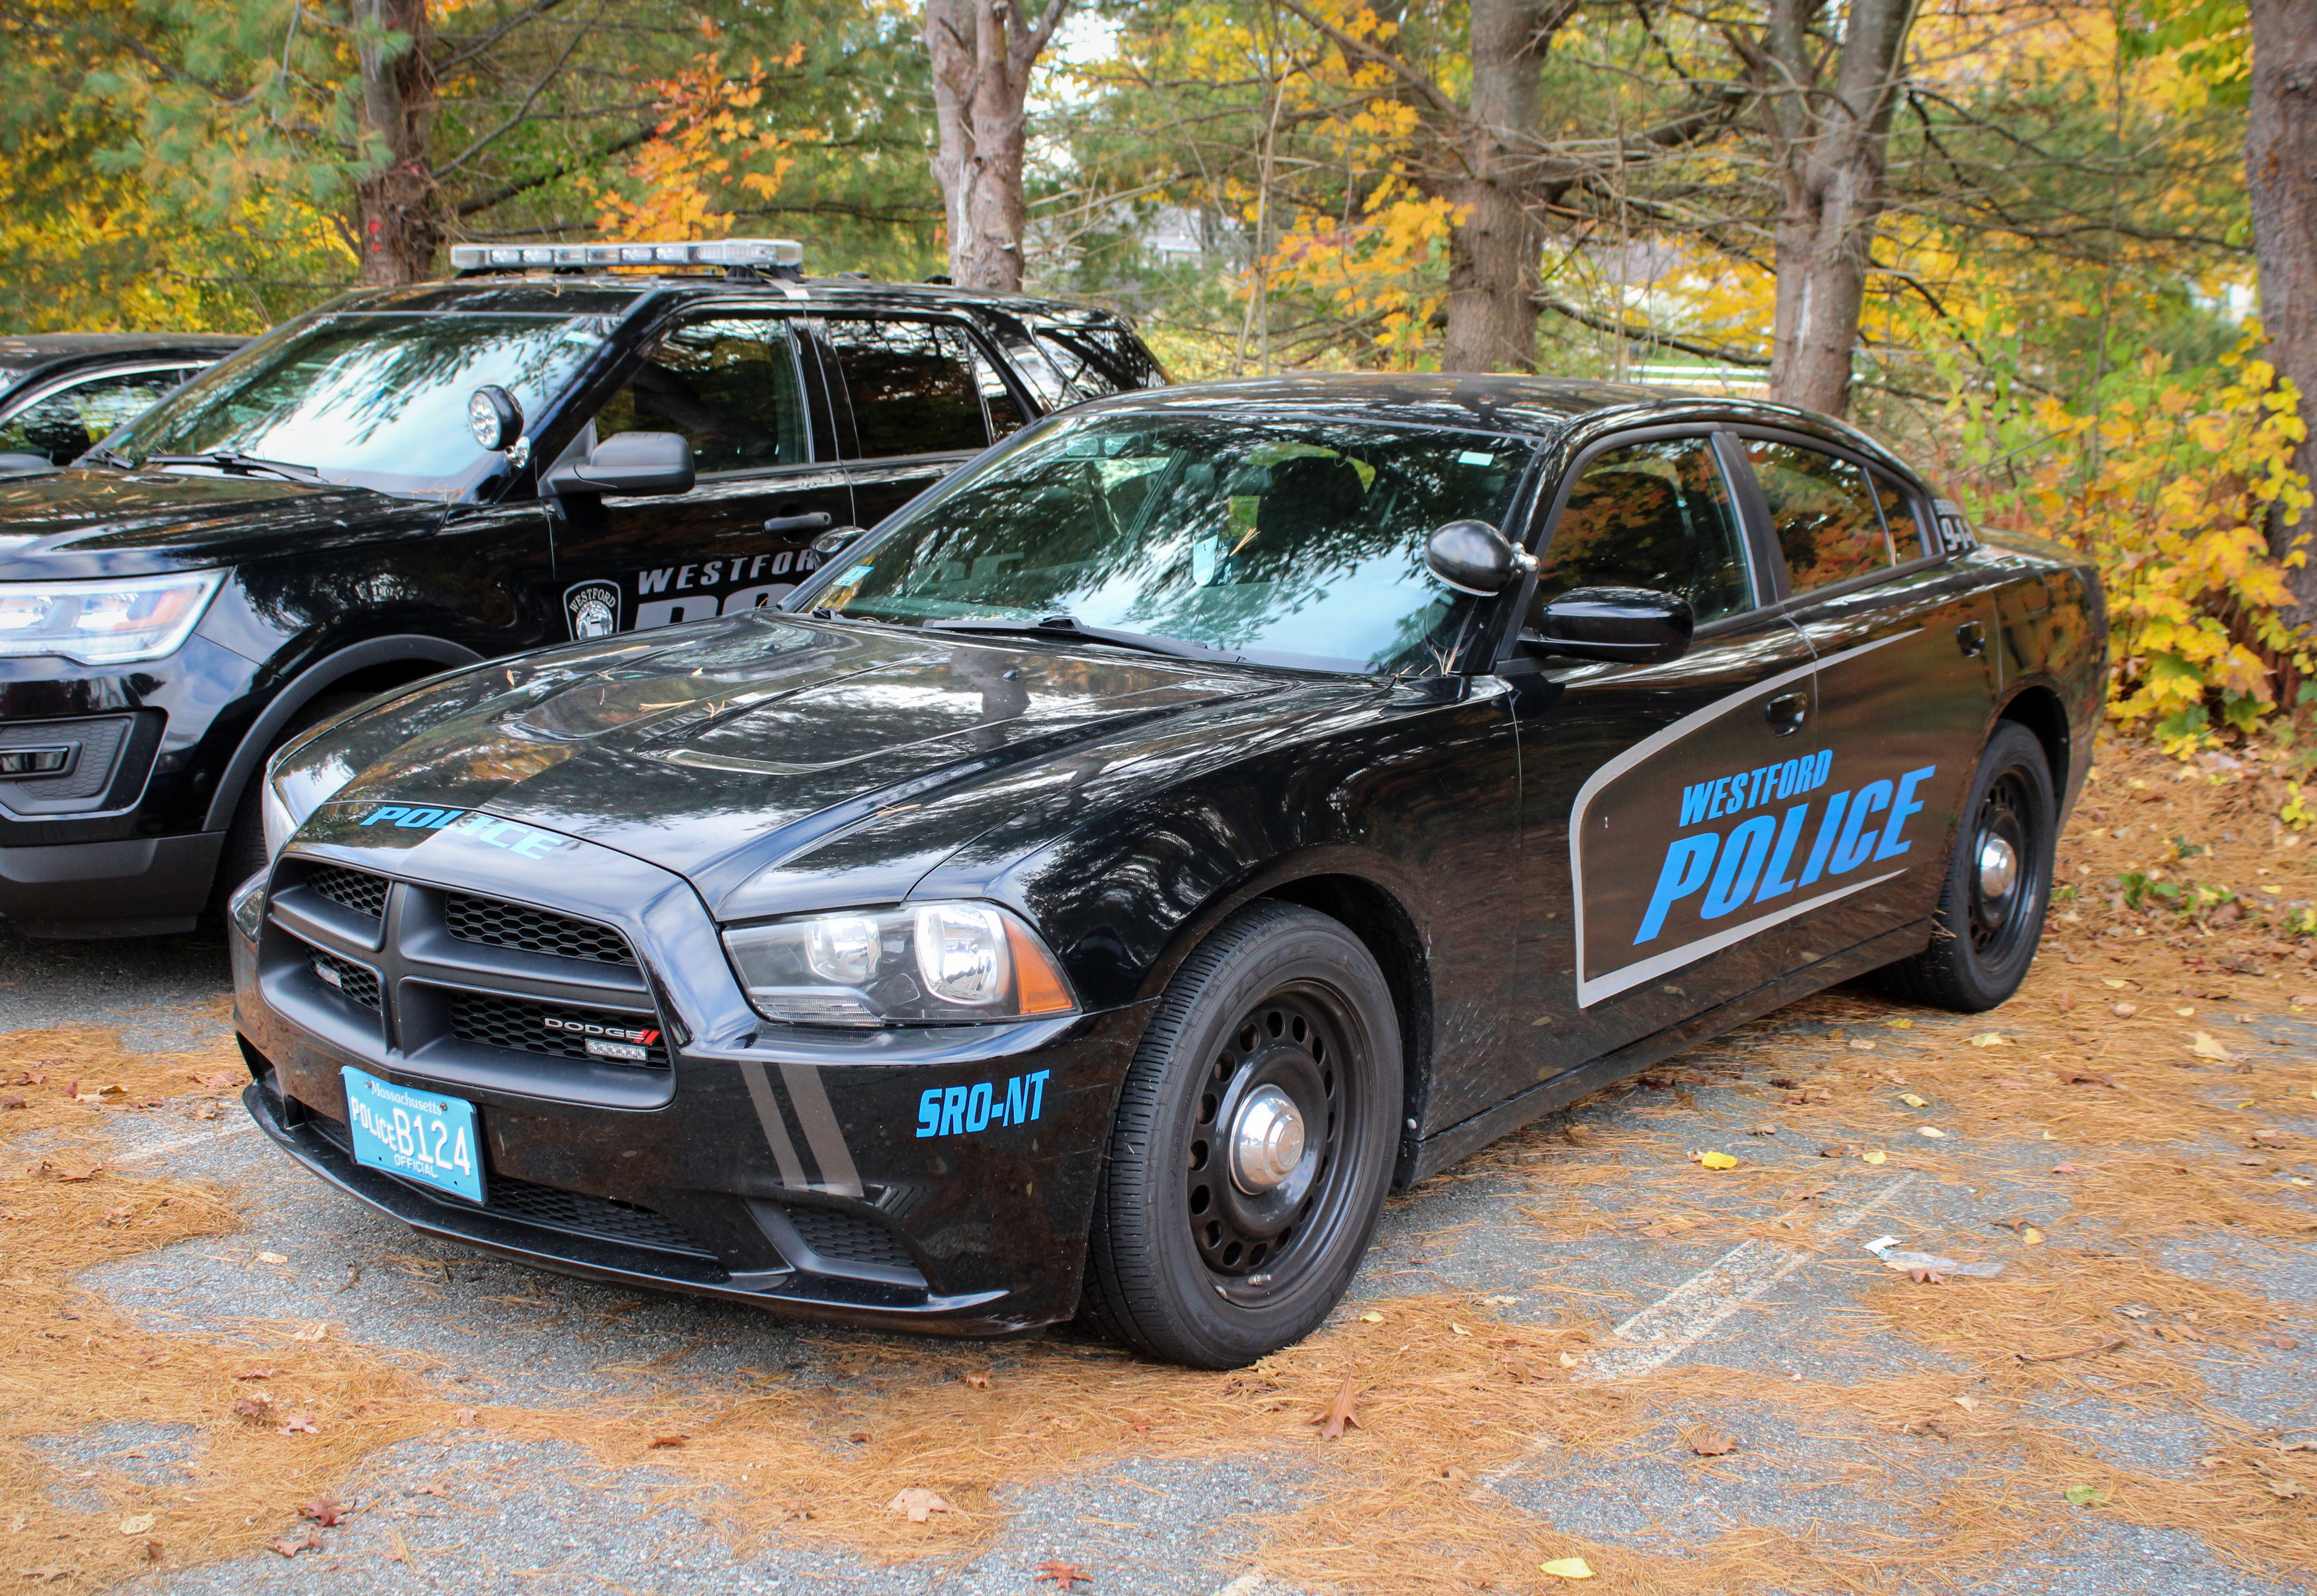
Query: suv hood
x=63, y=524
x=765, y=758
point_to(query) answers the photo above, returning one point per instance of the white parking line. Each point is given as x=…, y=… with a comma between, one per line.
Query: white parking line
x=1685, y=1316
x=191, y=1138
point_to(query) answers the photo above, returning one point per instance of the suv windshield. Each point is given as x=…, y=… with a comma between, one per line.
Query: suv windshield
x=1289, y=541
x=378, y=401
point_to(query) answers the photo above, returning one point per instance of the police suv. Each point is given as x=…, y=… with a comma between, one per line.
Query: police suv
x=565, y=442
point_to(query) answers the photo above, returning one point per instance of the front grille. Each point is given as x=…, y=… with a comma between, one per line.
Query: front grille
x=496, y=925
x=357, y=983
x=848, y=1238
x=522, y=1025
x=546, y=1207
x=357, y=890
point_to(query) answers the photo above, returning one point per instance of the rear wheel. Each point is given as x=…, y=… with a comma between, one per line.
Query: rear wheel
x=1999, y=884
x=1252, y=1147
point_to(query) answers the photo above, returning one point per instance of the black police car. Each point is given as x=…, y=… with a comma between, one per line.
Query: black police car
x=572, y=441
x=61, y=392
x=1091, y=891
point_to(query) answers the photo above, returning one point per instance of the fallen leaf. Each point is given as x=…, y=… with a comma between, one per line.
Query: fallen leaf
x=2031, y=1236
x=1910, y=1099
x=1139, y=1423
x=311, y=1541
x=2065, y=1003
x=1063, y=1574
x=1989, y=1039
x=255, y=1409
x=2283, y=1343
x=325, y=1512
x=1457, y=1329
x=1576, y=1135
x=316, y=1331
x=401, y=1552
x=1900, y=1024
x=2085, y=1495
x=660, y=1443
x=1931, y=1130
x=1712, y=1160
x=1570, y=1360
x=2203, y=1046
x=1709, y=1442
x=136, y=1523
x=1966, y=1403
x=1765, y=1128
x=464, y=1415
x=1568, y=1568
x=978, y=1378
x=1805, y=1193
x=1862, y=1045
x=2285, y=1488
x=1876, y=1157
x=2111, y=982
x=2065, y=1168
x=271, y=1258
x=1339, y=1414
x=150, y=1549
x=2124, y=1011
x=301, y=1425
x=919, y=1503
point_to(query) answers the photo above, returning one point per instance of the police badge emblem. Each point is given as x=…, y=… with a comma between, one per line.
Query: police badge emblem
x=593, y=608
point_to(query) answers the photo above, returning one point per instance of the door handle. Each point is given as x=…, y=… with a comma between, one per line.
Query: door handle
x=1971, y=637
x=1785, y=712
x=817, y=521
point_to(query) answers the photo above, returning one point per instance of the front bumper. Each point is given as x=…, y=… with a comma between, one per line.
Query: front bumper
x=133, y=888
x=794, y=1173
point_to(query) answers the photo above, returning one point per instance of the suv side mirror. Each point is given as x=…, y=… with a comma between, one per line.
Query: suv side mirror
x=628, y=463
x=1629, y=625
x=829, y=544
x=1472, y=556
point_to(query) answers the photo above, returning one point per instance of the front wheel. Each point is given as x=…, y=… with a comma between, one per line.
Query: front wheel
x=1999, y=883
x=1252, y=1145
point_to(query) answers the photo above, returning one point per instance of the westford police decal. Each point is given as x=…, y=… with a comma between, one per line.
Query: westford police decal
x=669, y=596
x=593, y=608
x=1672, y=862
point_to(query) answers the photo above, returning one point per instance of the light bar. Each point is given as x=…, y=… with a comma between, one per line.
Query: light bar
x=713, y=252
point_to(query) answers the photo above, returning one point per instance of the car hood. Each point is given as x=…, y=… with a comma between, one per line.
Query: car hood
x=63, y=524
x=776, y=762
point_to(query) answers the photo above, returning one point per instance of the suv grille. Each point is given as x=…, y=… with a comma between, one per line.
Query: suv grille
x=358, y=984
x=497, y=924
x=849, y=1238
x=522, y=1024
x=357, y=890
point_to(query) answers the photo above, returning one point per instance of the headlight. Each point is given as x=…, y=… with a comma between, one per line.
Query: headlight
x=106, y=622
x=925, y=964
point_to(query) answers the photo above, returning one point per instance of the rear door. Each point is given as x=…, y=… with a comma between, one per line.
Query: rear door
x=916, y=398
x=728, y=380
x=1660, y=831
x=1905, y=678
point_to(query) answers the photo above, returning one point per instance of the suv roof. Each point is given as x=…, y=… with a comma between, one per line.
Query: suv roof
x=543, y=292
x=35, y=351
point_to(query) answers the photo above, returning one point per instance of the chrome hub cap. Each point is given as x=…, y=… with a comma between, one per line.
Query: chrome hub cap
x=1266, y=1140
x=1999, y=868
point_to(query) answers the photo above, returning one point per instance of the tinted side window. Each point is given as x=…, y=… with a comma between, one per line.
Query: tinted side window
x=1823, y=512
x=1092, y=361
x=1005, y=411
x=912, y=387
x=1909, y=540
x=728, y=385
x=64, y=426
x=1655, y=515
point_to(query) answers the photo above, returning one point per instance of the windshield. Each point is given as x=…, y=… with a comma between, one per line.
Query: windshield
x=1289, y=541
x=377, y=401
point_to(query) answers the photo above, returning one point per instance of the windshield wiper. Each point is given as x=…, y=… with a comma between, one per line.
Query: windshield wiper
x=1067, y=626
x=102, y=455
x=236, y=464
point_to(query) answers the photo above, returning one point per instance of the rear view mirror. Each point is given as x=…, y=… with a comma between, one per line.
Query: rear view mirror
x=629, y=463
x=1629, y=625
x=1472, y=556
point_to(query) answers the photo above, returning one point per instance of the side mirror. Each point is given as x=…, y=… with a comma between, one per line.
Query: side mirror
x=494, y=416
x=628, y=463
x=23, y=465
x=1629, y=625
x=1472, y=556
x=831, y=544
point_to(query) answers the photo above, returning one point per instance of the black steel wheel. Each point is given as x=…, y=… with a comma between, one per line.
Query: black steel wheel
x=1998, y=886
x=1252, y=1146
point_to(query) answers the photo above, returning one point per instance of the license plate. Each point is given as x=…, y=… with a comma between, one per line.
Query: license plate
x=420, y=1136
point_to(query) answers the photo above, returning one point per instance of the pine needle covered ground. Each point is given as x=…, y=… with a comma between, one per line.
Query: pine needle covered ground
x=1586, y=1346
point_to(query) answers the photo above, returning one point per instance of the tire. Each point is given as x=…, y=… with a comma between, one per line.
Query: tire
x=1983, y=942
x=244, y=854
x=1185, y=1261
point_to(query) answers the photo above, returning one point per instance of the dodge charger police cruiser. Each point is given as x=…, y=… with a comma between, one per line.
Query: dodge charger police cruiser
x=1090, y=893
x=570, y=441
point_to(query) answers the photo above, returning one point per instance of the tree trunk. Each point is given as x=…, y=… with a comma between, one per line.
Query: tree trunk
x=1827, y=144
x=1493, y=252
x=2281, y=173
x=983, y=54
x=397, y=222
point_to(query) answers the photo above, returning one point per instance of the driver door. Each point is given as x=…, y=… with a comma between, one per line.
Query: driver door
x=728, y=383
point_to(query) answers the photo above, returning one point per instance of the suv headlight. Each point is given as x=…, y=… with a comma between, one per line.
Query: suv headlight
x=104, y=622
x=922, y=964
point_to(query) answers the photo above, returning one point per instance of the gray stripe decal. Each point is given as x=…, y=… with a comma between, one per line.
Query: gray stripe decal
x=820, y=1122
x=1633, y=974
x=1662, y=738
x=776, y=1128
